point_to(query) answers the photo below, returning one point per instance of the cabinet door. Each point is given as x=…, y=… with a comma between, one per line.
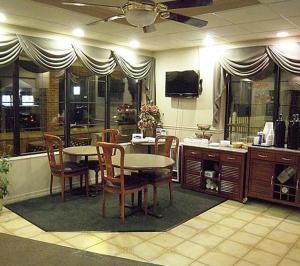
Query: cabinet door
x=192, y=173
x=260, y=183
x=231, y=180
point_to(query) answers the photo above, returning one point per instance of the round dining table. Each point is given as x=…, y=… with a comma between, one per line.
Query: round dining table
x=85, y=151
x=140, y=162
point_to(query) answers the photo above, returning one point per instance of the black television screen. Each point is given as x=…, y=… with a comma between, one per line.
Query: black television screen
x=182, y=84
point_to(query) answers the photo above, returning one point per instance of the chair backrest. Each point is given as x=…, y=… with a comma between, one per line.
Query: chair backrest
x=110, y=135
x=105, y=152
x=170, y=144
x=52, y=143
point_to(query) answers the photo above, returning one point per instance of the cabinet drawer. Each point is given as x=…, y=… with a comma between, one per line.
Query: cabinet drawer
x=263, y=155
x=286, y=158
x=192, y=152
x=210, y=155
x=229, y=157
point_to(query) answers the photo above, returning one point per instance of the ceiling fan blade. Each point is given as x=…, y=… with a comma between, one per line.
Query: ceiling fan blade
x=187, y=20
x=149, y=29
x=187, y=4
x=106, y=19
x=74, y=3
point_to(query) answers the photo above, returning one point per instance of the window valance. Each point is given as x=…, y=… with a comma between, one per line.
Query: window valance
x=247, y=62
x=55, y=55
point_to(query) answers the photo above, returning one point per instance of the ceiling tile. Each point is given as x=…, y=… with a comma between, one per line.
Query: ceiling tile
x=188, y=35
x=228, y=31
x=248, y=14
x=295, y=20
x=267, y=25
x=259, y=36
x=287, y=8
x=109, y=27
x=214, y=20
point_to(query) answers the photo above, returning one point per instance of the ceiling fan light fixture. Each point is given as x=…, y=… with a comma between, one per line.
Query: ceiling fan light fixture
x=140, y=18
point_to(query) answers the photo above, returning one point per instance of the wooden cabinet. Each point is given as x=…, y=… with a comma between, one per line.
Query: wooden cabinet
x=262, y=175
x=228, y=166
x=273, y=174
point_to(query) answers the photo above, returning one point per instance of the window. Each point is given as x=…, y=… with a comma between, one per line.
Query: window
x=250, y=104
x=87, y=105
x=73, y=104
x=289, y=99
x=6, y=111
x=41, y=109
x=124, y=103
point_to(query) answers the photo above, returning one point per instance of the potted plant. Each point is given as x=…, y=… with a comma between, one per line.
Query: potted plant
x=4, y=169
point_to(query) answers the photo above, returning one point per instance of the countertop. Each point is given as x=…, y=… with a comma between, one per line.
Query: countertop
x=276, y=149
x=218, y=148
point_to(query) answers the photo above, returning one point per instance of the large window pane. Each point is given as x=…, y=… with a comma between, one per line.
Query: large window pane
x=6, y=111
x=87, y=105
x=41, y=107
x=251, y=104
x=289, y=101
x=124, y=104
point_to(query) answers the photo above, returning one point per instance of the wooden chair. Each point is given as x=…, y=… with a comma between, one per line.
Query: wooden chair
x=118, y=183
x=163, y=176
x=110, y=135
x=63, y=169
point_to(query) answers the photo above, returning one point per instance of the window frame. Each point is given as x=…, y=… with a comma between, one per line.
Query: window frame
x=277, y=77
x=67, y=94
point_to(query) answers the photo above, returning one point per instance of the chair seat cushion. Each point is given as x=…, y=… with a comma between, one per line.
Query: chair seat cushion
x=157, y=175
x=72, y=167
x=130, y=182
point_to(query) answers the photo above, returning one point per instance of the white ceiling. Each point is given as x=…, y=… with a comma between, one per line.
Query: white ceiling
x=255, y=22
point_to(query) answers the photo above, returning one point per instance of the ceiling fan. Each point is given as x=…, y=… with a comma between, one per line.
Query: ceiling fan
x=143, y=13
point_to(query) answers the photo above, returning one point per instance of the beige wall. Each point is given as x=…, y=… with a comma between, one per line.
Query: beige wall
x=180, y=115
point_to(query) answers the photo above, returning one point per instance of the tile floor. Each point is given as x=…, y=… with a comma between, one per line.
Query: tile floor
x=230, y=234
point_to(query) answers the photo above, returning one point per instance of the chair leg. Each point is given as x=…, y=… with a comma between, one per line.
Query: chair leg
x=146, y=200
x=132, y=199
x=171, y=192
x=87, y=184
x=154, y=197
x=70, y=183
x=51, y=184
x=122, y=207
x=80, y=182
x=62, y=182
x=103, y=204
x=97, y=180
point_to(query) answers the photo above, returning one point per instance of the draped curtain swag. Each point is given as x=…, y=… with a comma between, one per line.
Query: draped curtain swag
x=247, y=62
x=46, y=53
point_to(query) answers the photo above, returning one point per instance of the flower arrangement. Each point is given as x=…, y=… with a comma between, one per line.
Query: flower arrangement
x=150, y=117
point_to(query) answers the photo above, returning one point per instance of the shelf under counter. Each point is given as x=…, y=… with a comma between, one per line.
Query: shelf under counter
x=229, y=164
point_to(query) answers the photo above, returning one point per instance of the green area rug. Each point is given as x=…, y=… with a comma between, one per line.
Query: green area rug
x=21, y=251
x=79, y=213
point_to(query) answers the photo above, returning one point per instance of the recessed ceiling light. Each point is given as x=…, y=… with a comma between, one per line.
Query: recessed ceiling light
x=78, y=32
x=2, y=17
x=282, y=34
x=134, y=44
x=208, y=40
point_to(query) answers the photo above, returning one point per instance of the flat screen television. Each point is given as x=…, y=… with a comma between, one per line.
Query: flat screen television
x=182, y=84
